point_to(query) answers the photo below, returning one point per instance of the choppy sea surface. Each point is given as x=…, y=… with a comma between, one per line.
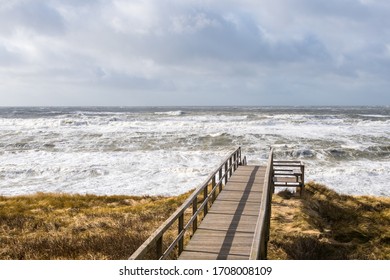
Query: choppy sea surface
x=167, y=151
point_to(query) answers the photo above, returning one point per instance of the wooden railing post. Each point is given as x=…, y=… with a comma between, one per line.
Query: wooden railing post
x=159, y=247
x=234, y=161
x=212, y=187
x=244, y=161
x=230, y=167
x=180, y=229
x=303, y=179
x=194, y=209
x=219, y=179
x=226, y=172
x=205, y=194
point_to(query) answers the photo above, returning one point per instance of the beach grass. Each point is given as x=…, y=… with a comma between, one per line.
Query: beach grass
x=326, y=225
x=321, y=225
x=63, y=226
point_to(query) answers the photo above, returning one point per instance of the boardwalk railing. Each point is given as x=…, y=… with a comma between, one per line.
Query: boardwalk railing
x=215, y=181
x=289, y=173
x=279, y=173
x=261, y=236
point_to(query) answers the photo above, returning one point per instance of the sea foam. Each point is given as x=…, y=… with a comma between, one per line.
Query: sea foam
x=144, y=151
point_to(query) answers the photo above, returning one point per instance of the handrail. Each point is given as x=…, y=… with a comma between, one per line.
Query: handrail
x=224, y=171
x=261, y=236
x=284, y=170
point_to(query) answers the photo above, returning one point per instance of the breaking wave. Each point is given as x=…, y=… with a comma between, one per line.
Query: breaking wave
x=144, y=151
x=170, y=113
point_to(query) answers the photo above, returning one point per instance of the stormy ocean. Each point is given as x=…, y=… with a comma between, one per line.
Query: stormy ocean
x=167, y=151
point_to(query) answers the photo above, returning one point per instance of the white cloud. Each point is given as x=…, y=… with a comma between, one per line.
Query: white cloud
x=132, y=16
x=192, y=23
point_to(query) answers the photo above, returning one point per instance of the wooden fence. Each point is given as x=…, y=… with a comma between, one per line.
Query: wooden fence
x=208, y=190
x=289, y=173
x=261, y=236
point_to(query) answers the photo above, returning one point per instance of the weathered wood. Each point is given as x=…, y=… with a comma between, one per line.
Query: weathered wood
x=286, y=179
x=287, y=184
x=159, y=246
x=286, y=161
x=213, y=185
x=180, y=229
x=195, y=215
x=156, y=238
x=259, y=245
x=289, y=174
x=206, y=206
x=236, y=225
x=227, y=231
x=303, y=180
x=220, y=178
x=287, y=171
x=230, y=169
x=297, y=165
x=226, y=172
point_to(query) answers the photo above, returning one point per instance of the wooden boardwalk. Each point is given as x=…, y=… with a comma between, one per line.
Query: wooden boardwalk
x=236, y=224
x=227, y=232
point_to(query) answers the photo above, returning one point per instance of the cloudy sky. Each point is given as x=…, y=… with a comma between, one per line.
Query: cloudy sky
x=185, y=52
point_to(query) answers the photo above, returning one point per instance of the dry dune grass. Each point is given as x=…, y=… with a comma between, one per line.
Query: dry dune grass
x=62, y=226
x=321, y=225
x=327, y=225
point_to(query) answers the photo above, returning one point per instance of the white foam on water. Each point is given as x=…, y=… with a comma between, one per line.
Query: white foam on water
x=373, y=116
x=361, y=177
x=140, y=173
x=170, y=113
x=170, y=152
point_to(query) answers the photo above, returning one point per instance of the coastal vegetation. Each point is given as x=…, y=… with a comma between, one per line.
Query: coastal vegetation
x=326, y=225
x=64, y=226
x=321, y=225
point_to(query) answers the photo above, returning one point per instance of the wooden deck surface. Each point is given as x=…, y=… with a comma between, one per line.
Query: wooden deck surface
x=227, y=230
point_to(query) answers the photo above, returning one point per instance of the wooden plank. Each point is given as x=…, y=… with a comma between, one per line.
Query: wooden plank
x=286, y=184
x=288, y=171
x=261, y=235
x=200, y=255
x=286, y=161
x=235, y=195
x=156, y=237
x=227, y=231
x=287, y=165
x=285, y=179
